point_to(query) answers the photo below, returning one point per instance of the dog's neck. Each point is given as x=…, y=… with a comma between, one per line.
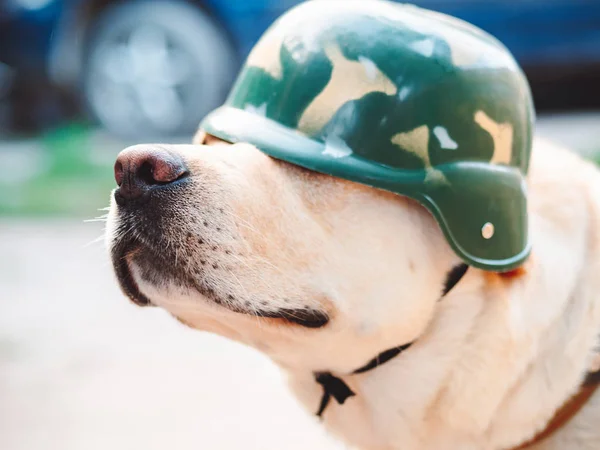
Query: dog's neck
x=463, y=384
x=334, y=387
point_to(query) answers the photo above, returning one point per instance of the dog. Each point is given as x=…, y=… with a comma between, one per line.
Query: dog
x=356, y=295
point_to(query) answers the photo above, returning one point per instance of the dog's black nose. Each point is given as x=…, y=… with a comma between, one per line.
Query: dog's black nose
x=139, y=168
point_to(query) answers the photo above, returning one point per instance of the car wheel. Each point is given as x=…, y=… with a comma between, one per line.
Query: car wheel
x=156, y=68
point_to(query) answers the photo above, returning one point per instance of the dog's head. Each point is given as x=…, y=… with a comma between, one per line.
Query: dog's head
x=318, y=272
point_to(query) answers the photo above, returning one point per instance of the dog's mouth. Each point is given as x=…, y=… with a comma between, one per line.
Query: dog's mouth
x=121, y=253
x=308, y=318
x=124, y=252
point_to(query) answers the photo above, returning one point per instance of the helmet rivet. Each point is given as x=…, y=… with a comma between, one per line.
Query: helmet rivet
x=487, y=231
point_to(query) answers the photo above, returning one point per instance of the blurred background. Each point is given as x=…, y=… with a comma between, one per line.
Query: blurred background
x=81, y=368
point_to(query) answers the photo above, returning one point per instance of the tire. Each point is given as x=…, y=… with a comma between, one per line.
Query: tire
x=154, y=69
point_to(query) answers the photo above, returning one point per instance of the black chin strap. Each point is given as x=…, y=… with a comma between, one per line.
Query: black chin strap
x=336, y=387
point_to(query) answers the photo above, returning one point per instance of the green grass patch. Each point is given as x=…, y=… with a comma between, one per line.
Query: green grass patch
x=67, y=171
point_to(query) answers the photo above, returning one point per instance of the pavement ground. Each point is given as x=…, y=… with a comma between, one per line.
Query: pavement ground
x=81, y=368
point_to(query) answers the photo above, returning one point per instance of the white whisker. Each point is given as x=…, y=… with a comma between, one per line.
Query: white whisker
x=94, y=241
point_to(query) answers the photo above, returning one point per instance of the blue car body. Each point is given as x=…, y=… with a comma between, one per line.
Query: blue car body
x=44, y=44
x=538, y=32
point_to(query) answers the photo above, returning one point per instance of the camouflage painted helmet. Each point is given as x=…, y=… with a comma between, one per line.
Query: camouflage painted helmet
x=402, y=99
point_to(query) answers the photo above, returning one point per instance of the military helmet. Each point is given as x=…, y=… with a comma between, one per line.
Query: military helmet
x=402, y=99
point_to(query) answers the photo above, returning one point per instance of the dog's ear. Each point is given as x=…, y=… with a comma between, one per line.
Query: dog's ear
x=203, y=138
x=199, y=137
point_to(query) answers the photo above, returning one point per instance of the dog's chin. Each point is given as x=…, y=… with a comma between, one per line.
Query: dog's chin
x=127, y=252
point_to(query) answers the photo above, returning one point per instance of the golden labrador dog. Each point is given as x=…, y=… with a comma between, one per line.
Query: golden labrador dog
x=323, y=274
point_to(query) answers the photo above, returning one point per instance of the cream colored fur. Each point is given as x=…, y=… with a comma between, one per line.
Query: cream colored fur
x=492, y=361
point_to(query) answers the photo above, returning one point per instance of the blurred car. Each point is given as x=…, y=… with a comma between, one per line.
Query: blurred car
x=156, y=67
